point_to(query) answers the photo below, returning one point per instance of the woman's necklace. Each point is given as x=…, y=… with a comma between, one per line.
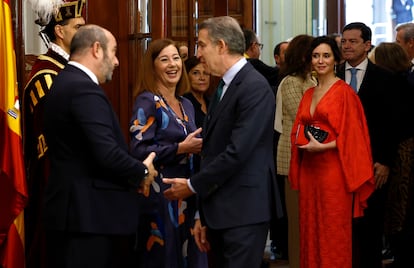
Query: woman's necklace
x=181, y=121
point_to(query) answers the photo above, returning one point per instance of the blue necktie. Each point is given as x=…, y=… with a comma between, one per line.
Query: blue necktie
x=353, y=82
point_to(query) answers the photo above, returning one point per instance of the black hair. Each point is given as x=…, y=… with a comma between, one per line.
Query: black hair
x=249, y=38
x=366, y=33
x=325, y=40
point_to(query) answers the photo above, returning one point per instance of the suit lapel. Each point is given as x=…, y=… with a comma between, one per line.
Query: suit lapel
x=341, y=74
x=212, y=116
x=365, y=81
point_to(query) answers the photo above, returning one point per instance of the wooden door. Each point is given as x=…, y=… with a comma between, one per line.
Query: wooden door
x=130, y=22
x=185, y=15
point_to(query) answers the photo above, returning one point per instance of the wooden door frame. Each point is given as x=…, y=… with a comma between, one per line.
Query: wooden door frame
x=335, y=16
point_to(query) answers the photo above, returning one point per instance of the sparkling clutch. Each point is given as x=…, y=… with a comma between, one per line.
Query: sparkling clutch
x=302, y=136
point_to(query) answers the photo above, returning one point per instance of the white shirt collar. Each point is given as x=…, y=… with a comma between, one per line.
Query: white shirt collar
x=231, y=73
x=59, y=50
x=86, y=70
x=362, y=66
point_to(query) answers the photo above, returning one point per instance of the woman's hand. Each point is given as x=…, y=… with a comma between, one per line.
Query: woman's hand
x=315, y=146
x=191, y=144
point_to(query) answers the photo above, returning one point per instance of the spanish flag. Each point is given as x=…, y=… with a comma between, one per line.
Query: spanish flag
x=13, y=190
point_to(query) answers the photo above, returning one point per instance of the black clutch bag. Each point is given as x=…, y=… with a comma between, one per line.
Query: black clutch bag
x=319, y=134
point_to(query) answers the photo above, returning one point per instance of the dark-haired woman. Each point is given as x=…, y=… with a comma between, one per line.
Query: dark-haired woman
x=331, y=164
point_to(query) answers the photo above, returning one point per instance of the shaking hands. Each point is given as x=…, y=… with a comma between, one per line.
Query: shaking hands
x=152, y=173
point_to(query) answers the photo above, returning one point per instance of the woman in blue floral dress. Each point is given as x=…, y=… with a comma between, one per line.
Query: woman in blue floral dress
x=163, y=122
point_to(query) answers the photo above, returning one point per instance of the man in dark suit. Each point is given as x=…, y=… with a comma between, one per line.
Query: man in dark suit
x=91, y=198
x=373, y=86
x=237, y=173
x=252, y=54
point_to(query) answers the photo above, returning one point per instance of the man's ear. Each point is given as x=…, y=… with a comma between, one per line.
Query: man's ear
x=58, y=31
x=411, y=43
x=221, y=45
x=368, y=45
x=96, y=47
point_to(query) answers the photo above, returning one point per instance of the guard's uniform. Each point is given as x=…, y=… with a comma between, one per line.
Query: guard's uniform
x=44, y=70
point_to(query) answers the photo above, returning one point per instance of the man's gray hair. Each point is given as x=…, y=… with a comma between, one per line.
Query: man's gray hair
x=408, y=29
x=227, y=29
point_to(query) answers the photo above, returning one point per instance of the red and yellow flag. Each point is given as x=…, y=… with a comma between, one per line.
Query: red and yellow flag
x=13, y=189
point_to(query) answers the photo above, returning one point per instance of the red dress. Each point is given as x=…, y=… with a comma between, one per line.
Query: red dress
x=329, y=181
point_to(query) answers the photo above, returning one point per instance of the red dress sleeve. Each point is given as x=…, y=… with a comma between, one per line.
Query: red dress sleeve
x=295, y=158
x=354, y=149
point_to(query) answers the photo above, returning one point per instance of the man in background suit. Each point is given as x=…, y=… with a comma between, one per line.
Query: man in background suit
x=237, y=177
x=405, y=38
x=279, y=53
x=252, y=54
x=374, y=88
x=91, y=212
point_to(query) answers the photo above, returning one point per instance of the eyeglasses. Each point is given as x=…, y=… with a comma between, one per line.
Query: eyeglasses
x=259, y=44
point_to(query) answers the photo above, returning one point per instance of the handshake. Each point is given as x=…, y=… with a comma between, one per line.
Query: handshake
x=179, y=187
x=144, y=188
x=190, y=145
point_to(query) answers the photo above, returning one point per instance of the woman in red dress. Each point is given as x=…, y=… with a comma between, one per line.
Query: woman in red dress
x=331, y=164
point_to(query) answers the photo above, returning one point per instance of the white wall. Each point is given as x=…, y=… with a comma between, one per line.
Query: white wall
x=279, y=20
x=33, y=42
x=363, y=11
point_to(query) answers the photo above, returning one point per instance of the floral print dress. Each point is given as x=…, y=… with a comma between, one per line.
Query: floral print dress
x=164, y=236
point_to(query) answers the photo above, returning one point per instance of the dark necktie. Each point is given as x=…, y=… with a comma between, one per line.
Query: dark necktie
x=217, y=96
x=220, y=89
x=353, y=83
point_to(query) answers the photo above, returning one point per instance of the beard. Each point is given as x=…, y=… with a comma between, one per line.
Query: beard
x=107, y=68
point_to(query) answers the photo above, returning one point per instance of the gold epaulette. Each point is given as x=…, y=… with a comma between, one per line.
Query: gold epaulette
x=52, y=60
x=38, y=87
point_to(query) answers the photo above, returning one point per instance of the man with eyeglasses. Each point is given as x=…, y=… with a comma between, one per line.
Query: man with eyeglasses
x=252, y=45
x=252, y=54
